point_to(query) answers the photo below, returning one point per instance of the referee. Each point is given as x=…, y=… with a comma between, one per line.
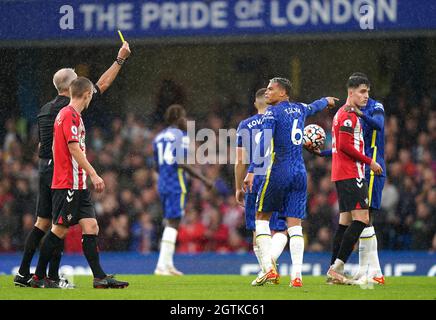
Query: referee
x=46, y=118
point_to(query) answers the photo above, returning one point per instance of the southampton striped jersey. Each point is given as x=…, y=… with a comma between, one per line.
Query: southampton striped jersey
x=68, y=128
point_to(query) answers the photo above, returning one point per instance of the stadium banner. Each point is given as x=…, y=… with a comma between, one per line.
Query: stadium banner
x=155, y=19
x=394, y=263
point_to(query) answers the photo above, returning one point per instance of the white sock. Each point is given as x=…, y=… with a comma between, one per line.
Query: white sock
x=365, y=248
x=263, y=240
x=374, y=263
x=167, y=248
x=296, y=246
x=258, y=256
x=278, y=243
x=339, y=265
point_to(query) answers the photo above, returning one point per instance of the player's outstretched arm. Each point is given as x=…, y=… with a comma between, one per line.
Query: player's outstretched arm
x=318, y=152
x=81, y=160
x=110, y=74
x=197, y=174
x=376, y=121
x=321, y=104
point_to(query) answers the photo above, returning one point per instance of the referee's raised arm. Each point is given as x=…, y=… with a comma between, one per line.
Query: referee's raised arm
x=110, y=74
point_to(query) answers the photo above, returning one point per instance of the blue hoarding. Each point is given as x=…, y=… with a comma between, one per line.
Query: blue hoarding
x=95, y=19
x=398, y=263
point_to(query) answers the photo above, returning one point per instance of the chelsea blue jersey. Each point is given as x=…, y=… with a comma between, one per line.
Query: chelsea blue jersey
x=282, y=134
x=170, y=149
x=374, y=130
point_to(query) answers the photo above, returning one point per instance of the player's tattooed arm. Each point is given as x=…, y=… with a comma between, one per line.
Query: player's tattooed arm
x=110, y=74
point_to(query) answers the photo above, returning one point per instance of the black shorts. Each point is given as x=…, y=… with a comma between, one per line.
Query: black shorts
x=352, y=194
x=70, y=206
x=45, y=175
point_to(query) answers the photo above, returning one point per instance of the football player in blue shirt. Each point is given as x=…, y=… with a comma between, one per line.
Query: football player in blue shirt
x=373, y=122
x=284, y=186
x=247, y=137
x=170, y=153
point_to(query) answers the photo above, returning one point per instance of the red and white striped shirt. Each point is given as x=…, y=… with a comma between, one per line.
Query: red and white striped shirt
x=348, y=147
x=68, y=128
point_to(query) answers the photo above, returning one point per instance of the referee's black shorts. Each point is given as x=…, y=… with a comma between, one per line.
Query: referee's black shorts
x=70, y=206
x=44, y=201
x=352, y=194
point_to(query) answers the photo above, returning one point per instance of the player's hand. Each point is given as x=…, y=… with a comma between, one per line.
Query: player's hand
x=240, y=197
x=248, y=182
x=356, y=111
x=376, y=168
x=315, y=151
x=98, y=183
x=124, y=52
x=331, y=102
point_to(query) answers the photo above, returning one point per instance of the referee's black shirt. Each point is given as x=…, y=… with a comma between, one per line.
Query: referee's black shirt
x=46, y=118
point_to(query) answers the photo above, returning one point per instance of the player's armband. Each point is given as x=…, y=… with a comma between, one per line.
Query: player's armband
x=347, y=126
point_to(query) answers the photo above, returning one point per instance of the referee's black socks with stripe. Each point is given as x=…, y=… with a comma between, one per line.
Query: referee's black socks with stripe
x=350, y=238
x=337, y=240
x=90, y=249
x=32, y=242
x=49, y=245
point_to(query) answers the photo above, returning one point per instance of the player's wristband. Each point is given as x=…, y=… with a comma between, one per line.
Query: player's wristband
x=120, y=61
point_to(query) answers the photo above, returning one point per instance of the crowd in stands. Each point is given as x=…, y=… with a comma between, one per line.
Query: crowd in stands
x=130, y=215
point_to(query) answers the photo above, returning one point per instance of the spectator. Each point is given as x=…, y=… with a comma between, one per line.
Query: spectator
x=143, y=234
x=191, y=237
x=217, y=233
x=322, y=242
x=422, y=228
x=73, y=240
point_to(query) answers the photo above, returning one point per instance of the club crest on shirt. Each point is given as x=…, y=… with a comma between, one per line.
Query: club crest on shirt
x=348, y=123
x=74, y=130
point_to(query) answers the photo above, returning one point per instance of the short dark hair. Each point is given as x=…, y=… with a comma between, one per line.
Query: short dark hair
x=357, y=79
x=284, y=83
x=80, y=86
x=175, y=115
x=260, y=92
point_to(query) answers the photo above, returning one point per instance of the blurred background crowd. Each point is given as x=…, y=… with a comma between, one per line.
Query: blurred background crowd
x=130, y=214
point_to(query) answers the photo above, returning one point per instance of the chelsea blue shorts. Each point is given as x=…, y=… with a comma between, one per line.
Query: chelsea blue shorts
x=284, y=191
x=377, y=190
x=276, y=223
x=173, y=205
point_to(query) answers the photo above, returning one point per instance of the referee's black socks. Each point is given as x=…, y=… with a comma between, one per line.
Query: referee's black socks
x=49, y=245
x=90, y=249
x=32, y=242
x=351, y=236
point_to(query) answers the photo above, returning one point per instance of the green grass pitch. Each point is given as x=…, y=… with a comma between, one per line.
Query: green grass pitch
x=226, y=287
